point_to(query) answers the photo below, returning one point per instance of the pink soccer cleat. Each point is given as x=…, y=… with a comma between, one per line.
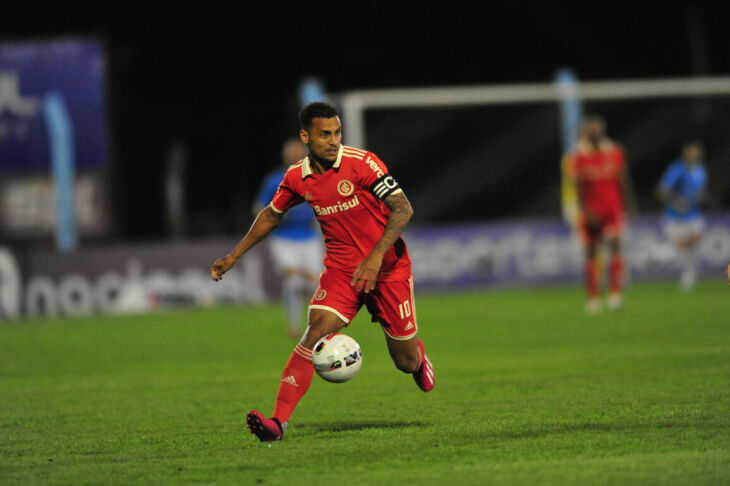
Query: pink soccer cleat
x=424, y=376
x=265, y=429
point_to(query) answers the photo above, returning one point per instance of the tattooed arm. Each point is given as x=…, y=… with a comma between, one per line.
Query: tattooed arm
x=367, y=271
x=400, y=214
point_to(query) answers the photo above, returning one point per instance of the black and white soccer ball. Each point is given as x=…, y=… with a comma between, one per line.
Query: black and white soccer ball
x=337, y=357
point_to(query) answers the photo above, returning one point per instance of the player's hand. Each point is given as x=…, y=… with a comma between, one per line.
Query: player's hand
x=366, y=273
x=221, y=266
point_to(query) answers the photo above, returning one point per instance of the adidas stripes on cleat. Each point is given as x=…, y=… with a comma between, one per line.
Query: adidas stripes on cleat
x=263, y=428
x=424, y=376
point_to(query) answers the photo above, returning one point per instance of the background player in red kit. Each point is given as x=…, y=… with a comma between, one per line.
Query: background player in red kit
x=362, y=212
x=598, y=167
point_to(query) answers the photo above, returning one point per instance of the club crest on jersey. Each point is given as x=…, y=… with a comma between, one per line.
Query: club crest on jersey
x=345, y=188
x=321, y=294
x=308, y=197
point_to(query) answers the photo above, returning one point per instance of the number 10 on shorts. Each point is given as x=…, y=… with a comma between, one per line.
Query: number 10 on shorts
x=405, y=309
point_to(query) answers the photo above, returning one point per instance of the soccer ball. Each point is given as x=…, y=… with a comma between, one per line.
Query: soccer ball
x=337, y=357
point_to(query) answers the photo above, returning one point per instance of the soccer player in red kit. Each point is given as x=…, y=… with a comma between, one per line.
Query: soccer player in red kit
x=599, y=170
x=362, y=212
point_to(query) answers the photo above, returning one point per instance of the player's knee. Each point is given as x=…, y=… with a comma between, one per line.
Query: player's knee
x=406, y=362
x=320, y=325
x=314, y=332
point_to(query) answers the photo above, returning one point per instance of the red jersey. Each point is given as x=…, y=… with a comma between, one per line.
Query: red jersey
x=597, y=175
x=346, y=202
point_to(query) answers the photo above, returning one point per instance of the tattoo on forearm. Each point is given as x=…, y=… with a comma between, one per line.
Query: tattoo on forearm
x=400, y=214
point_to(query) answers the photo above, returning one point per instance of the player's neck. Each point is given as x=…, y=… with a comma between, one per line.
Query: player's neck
x=319, y=166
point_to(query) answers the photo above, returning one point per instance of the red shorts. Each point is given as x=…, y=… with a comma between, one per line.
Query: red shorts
x=390, y=303
x=610, y=225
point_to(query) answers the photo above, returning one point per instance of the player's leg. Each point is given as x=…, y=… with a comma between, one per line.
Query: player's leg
x=590, y=236
x=613, y=233
x=688, y=275
x=312, y=264
x=321, y=323
x=293, y=285
x=296, y=377
x=298, y=372
x=404, y=353
x=284, y=253
x=688, y=246
x=592, y=275
x=678, y=232
x=616, y=272
x=409, y=356
x=392, y=304
x=301, y=279
x=332, y=307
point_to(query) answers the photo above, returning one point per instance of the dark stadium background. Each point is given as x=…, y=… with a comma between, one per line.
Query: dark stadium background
x=223, y=81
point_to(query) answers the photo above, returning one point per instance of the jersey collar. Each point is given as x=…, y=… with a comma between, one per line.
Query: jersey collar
x=307, y=168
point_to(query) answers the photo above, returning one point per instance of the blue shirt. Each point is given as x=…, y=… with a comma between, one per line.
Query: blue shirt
x=298, y=222
x=687, y=182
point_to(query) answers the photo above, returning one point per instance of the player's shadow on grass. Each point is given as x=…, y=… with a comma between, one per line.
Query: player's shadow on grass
x=334, y=427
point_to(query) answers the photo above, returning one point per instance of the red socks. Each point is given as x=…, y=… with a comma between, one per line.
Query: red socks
x=295, y=381
x=616, y=274
x=297, y=377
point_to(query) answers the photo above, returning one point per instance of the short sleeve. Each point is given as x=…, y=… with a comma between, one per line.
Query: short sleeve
x=375, y=177
x=269, y=188
x=671, y=175
x=285, y=196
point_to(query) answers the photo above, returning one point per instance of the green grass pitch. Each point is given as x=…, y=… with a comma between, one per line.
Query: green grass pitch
x=530, y=390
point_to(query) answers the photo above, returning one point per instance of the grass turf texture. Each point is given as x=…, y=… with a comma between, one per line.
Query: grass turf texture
x=530, y=390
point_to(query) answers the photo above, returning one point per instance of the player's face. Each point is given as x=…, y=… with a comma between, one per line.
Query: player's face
x=693, y=154
x=594, y=129
x=323, y=138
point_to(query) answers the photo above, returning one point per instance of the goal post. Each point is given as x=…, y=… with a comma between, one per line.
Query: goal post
x=355, y=103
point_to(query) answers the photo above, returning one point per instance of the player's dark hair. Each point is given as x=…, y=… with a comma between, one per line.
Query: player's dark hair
x=593, y=117
x=693, y=143
x=316, y=109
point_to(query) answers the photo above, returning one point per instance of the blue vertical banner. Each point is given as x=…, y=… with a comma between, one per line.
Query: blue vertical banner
x=571, y=112
x=60, y=132
x=571, y=108
x=30, y=71
x=53, y=140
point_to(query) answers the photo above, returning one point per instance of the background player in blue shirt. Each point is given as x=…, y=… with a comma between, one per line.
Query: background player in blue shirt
x=682, y=189
x=296, y=246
